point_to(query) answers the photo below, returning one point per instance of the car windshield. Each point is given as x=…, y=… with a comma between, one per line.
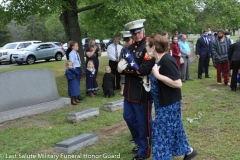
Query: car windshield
x=10, y=46
x=30, y=47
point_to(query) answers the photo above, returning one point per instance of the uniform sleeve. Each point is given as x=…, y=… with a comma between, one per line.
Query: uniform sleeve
x=145, y=67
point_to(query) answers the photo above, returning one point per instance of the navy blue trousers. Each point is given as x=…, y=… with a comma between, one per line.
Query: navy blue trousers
x=138, y=118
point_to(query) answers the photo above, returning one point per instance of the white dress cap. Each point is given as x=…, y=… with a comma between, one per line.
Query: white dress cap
x=126, y=34
x=135, y=26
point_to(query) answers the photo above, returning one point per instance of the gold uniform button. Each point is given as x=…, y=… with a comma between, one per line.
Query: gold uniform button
x=133, y=50
x=135, y=46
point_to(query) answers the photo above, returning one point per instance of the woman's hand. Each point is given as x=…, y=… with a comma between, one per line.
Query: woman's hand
x=155, y=70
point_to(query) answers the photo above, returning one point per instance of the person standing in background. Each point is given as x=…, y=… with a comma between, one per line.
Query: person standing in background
x=220, y=53
x=203, y=52
x=175, y=49
x=127, y=38
x=74, y=57
x=185, y=54
x=234, y=58
x=113, y=53
x=92, y=53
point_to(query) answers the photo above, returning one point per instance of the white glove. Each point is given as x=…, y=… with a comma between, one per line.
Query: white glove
x=146, y=84
x=122, y=64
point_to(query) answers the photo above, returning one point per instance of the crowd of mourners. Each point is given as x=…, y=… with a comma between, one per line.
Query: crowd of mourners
x=150, y=70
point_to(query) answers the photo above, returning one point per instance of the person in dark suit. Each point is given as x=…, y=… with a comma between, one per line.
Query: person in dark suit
x=203, y=51
x=234, y=58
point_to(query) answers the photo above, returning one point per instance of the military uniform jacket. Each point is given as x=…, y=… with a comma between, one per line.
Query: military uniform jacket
x=133, y=89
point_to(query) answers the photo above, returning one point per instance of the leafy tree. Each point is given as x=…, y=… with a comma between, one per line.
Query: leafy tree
x=4, y=35
x=219, y=14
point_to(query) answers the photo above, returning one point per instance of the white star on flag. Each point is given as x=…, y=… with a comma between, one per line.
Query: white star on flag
x=127, y=55
x=132, y=63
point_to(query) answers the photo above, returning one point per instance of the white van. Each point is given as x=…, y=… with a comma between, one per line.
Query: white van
x=7, y=50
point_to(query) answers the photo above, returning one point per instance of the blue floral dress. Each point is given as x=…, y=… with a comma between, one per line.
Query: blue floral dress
x=168, y=135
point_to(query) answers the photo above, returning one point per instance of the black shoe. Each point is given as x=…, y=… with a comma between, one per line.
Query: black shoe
x=189, y=79
x=233, y=89
x=207, y=77
x=135, y=149
x=183, y=80
x=199, y=77
x=81, y=98
x=191, y=155
x=137, y=157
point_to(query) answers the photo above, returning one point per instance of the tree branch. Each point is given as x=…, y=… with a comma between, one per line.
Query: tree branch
x=88, y=7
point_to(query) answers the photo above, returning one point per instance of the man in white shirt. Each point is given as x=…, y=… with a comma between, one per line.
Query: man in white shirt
x=113, y=52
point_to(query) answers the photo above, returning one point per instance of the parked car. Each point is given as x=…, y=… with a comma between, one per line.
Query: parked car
x=65, y=46
x=7, y=50
x=59, y=44
x=109, y=42
x=34, y=52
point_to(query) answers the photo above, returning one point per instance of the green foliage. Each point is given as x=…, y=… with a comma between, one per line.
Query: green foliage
x=219, y=14
x=4, y=36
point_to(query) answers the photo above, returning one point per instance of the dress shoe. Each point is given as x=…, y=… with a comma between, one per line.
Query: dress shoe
x=191, y=155
x=81, y=98
x=199, y=77
x=207, y=77
x=233, y=89
x=137, y=157
x=135, y=149
x=189, y=79
x=73, y=102
x=183, y=80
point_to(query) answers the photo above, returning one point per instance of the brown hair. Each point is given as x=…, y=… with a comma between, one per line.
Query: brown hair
x=164, y=33
x=160, y=42
x=221, y=31
x=72, y=43
x=89, y=44
x=204, y=31
x=174, y=37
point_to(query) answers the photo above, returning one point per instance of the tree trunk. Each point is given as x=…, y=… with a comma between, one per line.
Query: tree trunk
x=69, y=20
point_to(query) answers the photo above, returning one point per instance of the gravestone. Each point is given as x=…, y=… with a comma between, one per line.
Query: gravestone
x=28, y=92
x=82, y=115
x=114, y=106
x=76, y=143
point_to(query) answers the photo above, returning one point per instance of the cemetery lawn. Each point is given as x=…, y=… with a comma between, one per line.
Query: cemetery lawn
x=210, y=114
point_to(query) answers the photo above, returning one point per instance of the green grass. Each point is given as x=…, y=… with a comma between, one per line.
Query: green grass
x=215, y=134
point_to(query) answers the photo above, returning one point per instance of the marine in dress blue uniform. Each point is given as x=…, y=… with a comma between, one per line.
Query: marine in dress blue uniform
x=137, y=101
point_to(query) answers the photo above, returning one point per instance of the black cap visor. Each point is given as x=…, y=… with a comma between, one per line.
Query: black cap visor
x=136, y=30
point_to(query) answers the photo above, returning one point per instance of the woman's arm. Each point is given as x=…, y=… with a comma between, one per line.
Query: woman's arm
x=99, y=50
x=90, y=53
x=168, y=81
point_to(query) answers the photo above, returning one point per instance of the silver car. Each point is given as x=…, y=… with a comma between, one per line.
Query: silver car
x=41, y=51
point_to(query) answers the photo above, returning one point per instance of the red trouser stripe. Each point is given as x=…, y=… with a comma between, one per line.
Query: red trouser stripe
x=148, y=128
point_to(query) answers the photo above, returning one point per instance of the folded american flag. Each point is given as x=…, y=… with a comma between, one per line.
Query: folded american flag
x=127, y=55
